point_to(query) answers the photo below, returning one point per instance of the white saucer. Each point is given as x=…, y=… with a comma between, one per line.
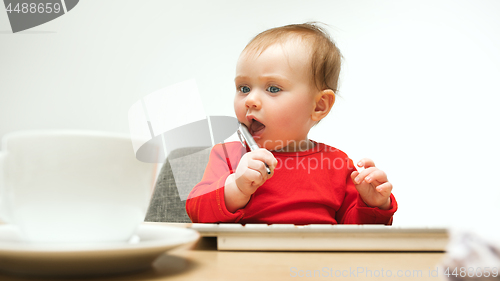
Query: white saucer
x=46, y=259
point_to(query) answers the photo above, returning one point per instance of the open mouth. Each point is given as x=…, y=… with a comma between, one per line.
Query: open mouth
x=256, y=128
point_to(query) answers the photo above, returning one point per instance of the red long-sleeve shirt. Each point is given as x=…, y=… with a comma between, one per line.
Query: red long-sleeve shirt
x=308, y=187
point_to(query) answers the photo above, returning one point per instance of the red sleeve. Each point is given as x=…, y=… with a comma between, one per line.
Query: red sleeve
x=205, y=203
x=354, y=211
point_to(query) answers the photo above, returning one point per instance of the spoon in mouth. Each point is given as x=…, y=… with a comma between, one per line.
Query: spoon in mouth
x=247, y=137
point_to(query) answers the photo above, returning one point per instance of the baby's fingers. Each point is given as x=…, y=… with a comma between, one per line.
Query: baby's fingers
x=376, y=177
x=366, y=163
x=271, y=162
x=260, y=167
x=354, y=174
x=266, y=157
x=385, y=189
x=251, y=180
x=363, y=175
x=258, y=178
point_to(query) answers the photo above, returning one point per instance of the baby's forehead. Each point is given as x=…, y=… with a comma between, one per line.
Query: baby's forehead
x=291, y=57
x=286, y=43
x=292, y=48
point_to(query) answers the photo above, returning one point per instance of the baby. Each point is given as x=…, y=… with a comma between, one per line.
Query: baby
x=286, y=80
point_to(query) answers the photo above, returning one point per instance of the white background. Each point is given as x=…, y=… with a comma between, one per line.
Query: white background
x=419, y=88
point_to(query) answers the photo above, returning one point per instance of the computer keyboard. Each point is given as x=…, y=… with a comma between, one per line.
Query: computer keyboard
x=324, y=237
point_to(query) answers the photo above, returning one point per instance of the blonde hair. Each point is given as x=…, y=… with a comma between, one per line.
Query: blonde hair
x=325, y=56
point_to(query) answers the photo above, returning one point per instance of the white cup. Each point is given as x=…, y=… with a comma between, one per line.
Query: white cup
x=73, y=186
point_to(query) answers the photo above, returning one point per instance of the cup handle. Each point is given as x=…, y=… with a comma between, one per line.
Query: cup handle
x=4, y=212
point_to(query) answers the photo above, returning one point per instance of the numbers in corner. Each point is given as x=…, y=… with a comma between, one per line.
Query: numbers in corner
x=34, y=8
x=472, y=272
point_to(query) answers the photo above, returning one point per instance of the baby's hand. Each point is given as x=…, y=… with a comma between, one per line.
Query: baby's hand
x=249, y=175
x=251, y=171
x=372, y=185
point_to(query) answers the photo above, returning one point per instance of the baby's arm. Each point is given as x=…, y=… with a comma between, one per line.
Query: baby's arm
x=205, y=203
x=372, y=185
x=208, y=202
x=357, y=210
x=249, y=175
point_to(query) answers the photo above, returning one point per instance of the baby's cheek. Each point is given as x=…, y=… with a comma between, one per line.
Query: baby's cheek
x=283, y=118
x=240, y=111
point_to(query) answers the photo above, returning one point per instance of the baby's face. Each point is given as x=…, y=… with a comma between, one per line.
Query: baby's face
x=275, y=95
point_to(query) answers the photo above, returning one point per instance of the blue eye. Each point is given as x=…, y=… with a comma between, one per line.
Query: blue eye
x=273, y=89
x=244, y=89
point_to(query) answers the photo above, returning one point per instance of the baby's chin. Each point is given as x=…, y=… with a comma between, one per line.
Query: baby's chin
x=283, y=146
x=273, y=145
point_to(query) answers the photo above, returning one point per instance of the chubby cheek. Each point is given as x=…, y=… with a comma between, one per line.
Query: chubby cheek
x=287, y=116
x=282, y=119
x=293, y=120
x=240, y=109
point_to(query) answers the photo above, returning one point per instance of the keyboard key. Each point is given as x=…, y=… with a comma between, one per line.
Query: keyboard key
x=256, y=226
x=318, y=226
x=282, y=226
x=230, y=225
x=204, y=225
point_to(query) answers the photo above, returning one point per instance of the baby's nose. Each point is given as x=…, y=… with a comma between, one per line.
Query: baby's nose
x=253, y=100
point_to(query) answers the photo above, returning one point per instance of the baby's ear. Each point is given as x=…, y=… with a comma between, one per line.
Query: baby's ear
x=324, y=102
